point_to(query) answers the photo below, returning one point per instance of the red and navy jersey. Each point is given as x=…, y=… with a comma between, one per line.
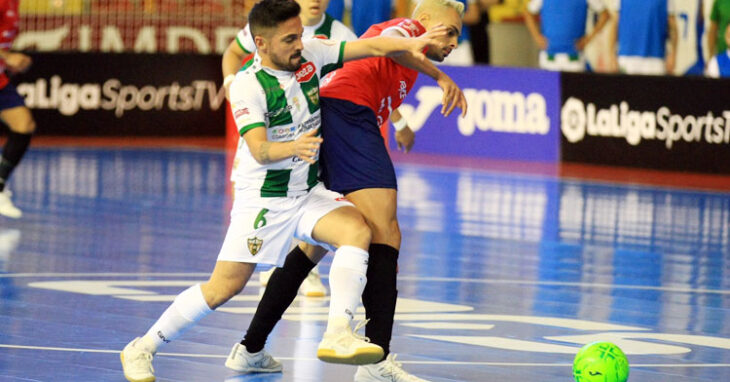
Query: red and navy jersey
x=377, y=82
x=8, y=31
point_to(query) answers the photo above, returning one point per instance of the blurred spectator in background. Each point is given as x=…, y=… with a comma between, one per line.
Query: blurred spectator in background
x=368, y=12
x=561, y=32
x=690, y=26
x=477, y=22
x=641, y=30
x=336, y=9
x=719, y=65
x=719, y=20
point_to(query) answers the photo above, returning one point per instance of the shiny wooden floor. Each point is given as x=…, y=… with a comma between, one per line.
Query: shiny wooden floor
x=503, y=274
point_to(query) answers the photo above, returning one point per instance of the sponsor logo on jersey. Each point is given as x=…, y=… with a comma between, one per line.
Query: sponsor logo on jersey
x=306, y=72
x=240, y=112
x=254, y=245
x=411, y=28
x=619, y=121
x=313, y=95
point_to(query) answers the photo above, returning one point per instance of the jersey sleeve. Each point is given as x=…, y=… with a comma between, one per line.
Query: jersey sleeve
x=244, y=39
x=341, y=32
x=327, y=55
x=247, y=105
x=407, y=28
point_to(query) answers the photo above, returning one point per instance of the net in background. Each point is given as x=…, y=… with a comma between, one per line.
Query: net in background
x=139, y=26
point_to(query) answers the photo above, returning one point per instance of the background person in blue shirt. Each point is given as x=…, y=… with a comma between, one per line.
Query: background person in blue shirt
x=561, y=32
x=641, y=30
x=719, y=65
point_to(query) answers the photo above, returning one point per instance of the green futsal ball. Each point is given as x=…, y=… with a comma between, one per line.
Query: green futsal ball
x=600, y=362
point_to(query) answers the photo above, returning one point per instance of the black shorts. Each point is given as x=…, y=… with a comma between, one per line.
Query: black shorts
x=353, y=155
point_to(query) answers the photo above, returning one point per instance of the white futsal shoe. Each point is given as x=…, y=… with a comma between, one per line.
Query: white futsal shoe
x=242, y=361
x=344, y=345
x=7, y=208
x=311, y=287
x=387, y=370
x=137, y=362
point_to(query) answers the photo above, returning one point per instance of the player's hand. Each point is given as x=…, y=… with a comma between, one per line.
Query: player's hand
x=453, y=96
x=306, y=147
x=405, y=139
x=17, y=62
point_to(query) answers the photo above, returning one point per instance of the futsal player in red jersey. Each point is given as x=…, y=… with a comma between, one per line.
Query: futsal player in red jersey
x=13, y=111
x=355, y=101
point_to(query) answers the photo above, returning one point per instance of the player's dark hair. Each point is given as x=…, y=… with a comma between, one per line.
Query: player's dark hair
x=268, y=14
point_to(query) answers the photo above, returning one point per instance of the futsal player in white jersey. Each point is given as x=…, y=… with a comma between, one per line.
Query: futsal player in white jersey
x=275, y=103
x=317, y=24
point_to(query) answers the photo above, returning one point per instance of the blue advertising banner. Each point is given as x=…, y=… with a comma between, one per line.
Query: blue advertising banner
x=513, y=114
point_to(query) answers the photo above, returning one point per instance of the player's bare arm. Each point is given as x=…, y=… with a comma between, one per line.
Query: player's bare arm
x=264, y=151
x=231, y=63
x=388, y=46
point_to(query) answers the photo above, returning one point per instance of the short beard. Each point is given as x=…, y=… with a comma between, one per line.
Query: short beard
x=287, y=65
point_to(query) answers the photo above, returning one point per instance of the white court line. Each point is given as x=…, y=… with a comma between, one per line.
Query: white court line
x=404, y=278
x=526, y=364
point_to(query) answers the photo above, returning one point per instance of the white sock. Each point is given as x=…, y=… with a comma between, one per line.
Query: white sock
x=187, y=309
x=347, y=281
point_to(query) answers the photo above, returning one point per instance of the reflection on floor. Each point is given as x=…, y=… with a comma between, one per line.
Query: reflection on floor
x=503, y=276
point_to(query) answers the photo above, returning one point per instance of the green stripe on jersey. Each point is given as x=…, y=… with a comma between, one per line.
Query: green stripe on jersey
x=276, y=183
x=312, y=176
x=276, y=104
x=246, y=128
x=240, y=45
x=332, y=67
x=311, y=92
x=326, y=28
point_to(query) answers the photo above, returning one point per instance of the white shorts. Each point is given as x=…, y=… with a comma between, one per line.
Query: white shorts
x=262, y=229
x=642, y=65
x=561, y=62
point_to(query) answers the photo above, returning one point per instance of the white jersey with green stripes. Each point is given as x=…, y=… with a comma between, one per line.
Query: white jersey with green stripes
x=327, y=28
x=286, y=104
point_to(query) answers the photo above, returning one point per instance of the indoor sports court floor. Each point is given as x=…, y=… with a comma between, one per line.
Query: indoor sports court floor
x=503, y=274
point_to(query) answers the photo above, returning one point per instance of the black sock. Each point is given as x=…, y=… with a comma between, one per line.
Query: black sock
x=380, y=294
x=13, y=151
x=279, y=294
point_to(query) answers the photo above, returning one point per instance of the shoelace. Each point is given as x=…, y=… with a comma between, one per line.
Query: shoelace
x=143, y=359
x=395, y=369
x=359, y=326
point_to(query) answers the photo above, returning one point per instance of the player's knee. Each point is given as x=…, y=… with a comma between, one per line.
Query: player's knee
x=386, y=230
x=217, y=293
x=26, y=127
x=356, y=233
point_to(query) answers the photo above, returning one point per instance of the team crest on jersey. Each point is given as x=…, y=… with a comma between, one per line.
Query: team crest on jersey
x=306, y=72
x=313, y=95
x=254, y=245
